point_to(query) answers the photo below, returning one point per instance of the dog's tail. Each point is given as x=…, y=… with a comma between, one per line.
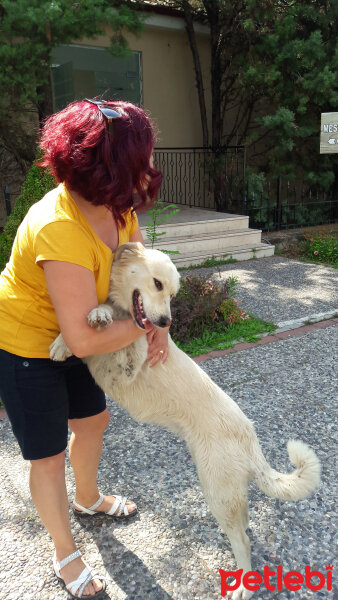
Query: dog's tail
x=290, y=486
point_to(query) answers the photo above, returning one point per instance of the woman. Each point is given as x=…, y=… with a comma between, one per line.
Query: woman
x=101, y=156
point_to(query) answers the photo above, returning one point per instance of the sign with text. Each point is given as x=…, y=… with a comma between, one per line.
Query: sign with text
x=329, y=133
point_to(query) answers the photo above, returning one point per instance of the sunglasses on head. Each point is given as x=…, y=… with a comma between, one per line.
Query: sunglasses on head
x=107, y=112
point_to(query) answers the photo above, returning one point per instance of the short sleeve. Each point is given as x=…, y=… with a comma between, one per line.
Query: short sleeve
x=133, y=223
x=65, y=241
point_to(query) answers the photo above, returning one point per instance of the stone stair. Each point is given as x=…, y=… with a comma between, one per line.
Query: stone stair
x=199, y=235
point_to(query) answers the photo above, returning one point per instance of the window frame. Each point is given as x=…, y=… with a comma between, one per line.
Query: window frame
x=138, y=54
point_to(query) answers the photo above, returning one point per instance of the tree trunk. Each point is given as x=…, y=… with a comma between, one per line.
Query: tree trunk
x=198, y=71
x=45, y=100
x=212, y=9
x=213, y=12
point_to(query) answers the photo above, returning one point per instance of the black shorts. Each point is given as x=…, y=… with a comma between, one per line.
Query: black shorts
x=41, y=395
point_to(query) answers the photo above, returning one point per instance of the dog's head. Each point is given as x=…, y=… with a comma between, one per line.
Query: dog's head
x=142, y=283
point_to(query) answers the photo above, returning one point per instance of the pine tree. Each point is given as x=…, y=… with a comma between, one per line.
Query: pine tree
x=273, y=71
x=29, y=30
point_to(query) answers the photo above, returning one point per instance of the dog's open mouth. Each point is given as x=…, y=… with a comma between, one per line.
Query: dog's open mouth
x=139, y=312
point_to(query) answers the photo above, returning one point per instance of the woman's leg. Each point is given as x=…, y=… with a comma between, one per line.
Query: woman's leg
x=35, y=395
x=85, y=449
x=48, y=489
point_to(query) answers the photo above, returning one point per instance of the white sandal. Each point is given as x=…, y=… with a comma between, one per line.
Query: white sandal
x=119, y=510
x=79, y=584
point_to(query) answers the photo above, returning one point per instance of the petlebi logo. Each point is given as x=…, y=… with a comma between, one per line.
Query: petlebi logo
x=277, y=580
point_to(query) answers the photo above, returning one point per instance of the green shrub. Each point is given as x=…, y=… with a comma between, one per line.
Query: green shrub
x=322, y=249
x=201, y=303
x=38, y=182
x=230, y=313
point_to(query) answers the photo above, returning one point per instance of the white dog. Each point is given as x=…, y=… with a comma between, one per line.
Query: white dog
x=179, y=395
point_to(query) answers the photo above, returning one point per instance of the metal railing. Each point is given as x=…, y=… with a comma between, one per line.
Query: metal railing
x=289, y=204
x=202, y=178
x=189, y=173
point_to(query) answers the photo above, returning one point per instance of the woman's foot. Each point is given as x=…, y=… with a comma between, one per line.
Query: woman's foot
x=108, y=503
x=79, y=579
x=115, y=506
x=72, y=571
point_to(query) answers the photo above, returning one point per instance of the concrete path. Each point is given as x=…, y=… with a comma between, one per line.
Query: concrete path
x=174, y=548
x=278, y=289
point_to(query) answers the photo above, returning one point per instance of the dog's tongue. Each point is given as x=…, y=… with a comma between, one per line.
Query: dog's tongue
x=147, y=323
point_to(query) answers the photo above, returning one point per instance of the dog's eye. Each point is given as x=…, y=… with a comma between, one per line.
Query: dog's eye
x=158, y=284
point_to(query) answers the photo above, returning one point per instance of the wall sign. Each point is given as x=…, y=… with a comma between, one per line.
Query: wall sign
x=329, y=133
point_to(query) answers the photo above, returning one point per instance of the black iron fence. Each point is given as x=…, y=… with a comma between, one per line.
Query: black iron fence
x=199, y=177
x=288, y=204
x=202, y=178
x=189, y=173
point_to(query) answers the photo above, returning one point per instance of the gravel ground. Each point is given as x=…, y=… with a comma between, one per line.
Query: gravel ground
x=174, y=547
x=280, y=289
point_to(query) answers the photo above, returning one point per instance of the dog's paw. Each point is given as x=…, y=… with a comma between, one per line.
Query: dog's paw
x=240, y=594
x=99, y=318
x=58, y=350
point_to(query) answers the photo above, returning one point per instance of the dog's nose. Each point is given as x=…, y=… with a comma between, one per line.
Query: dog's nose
x=163, y=321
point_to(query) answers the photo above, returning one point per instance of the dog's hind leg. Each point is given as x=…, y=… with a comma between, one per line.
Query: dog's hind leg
x=232, y=516
x=245, y=516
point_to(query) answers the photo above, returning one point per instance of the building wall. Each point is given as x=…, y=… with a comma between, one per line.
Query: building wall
x=168, y=89
x=168, y=80
x=169, y=86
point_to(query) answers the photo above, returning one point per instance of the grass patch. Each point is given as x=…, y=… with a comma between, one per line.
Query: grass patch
x=206, y=316
x=221, y=336
x=322, y=250
x=318, y=246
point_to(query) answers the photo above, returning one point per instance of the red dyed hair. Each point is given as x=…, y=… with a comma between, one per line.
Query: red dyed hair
x=104, y=164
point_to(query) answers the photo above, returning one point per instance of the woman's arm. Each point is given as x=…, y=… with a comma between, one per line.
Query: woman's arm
x=73, y=293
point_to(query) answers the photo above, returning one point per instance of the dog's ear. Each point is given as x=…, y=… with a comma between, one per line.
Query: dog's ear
x=131, y=248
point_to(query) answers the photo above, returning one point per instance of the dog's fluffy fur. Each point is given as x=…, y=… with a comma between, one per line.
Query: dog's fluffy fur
x=179, y=395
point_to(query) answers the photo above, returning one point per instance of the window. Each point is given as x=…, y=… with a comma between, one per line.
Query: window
x=85, y=72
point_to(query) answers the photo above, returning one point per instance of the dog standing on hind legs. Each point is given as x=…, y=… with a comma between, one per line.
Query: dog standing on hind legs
x=180, y=396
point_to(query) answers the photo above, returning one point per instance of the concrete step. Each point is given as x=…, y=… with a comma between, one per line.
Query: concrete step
x=236, y=252
x=210, y=242
x=199, y=234
x=201, y=227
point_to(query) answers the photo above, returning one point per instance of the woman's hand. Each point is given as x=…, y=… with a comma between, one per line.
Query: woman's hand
x=157, y=340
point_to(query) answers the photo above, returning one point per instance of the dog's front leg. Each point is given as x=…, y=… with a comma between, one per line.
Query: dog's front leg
x=101, y=316
x=58, y=350
x=98, y=318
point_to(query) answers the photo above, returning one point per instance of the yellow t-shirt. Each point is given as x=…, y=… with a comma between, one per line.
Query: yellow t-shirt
x=53, y=229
